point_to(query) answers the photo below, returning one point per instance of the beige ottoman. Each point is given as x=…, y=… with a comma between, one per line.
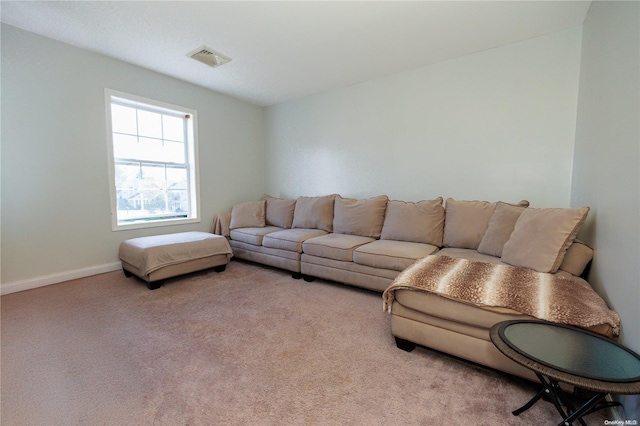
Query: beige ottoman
x=156, y=258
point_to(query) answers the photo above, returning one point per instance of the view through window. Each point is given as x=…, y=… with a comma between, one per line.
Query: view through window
x=153, y=162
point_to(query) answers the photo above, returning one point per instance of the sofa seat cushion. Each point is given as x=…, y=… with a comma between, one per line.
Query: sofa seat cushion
x=469, y=254
x=290, y=239
x=252, y=236
x=391, y=254
x=352, y=267
x=335, y=246
x=350, y=273
x=244, y=247
x=453, y=314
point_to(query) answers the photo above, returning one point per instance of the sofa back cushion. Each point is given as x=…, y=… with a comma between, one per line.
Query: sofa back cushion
x=359, y=217
x=279, y=211
x=541, y=237
x=248, y=215
x=467, y=221
x=419, y=222
x=500, y=227
x=314, y=213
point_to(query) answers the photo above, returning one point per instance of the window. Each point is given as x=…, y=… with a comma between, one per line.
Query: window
x=153, y=164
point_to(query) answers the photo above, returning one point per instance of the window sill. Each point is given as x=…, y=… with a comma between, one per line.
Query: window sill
x=153, y=224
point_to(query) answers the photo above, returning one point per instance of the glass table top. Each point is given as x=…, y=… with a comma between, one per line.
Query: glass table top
x=572, y=351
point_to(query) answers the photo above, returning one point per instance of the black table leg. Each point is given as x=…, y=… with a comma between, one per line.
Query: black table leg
x=559, y=398
x=585, y=409
x=556, y=395
x=548, y=389
x=563, y=399
x=530, y=404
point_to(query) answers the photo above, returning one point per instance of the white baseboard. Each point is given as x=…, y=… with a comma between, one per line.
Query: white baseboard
x=31, y=283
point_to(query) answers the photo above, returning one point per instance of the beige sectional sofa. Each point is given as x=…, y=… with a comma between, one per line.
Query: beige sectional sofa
x=368, y=243
x=364, y=243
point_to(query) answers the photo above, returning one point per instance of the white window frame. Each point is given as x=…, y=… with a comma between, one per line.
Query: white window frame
x=193, y=215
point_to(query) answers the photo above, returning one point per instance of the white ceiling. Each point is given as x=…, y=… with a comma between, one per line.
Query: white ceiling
x=287, y=50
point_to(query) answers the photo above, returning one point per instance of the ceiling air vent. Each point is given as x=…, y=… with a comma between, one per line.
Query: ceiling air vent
x=208, y=56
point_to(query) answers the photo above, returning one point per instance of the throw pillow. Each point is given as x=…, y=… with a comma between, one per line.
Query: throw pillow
x=314, y=213
x=467, y=221
x=279, y=211
x=577, y=258
x=419, y=222
x=541, y=237
x=248, y=215
x=359, y=217
x=500, y=228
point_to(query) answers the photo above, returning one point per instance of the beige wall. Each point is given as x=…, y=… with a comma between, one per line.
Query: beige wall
x=607, y=161
x=496, y=125
x=55, y=190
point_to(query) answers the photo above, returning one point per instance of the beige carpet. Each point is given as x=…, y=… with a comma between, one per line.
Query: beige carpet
x=248, y=346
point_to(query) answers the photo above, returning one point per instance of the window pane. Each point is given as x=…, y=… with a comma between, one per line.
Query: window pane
x=149, y=124
x=123, y=119
x=151, y=149
x=125, y=146
x=174, y=152
x=147, y=190
x=173, y=128
x=178, y=201
x=127, y=176
x=176, y=178
x=153, y=177
x=153, y=201
x=128, y=200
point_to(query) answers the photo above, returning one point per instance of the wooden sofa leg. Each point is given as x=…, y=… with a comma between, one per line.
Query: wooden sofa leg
x=296, y=275
x=127, y=273
x=220, y=268
x=405, y=345
x=309, y=278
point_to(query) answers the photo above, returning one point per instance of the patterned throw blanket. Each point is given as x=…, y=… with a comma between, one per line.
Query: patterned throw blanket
x=545, y=296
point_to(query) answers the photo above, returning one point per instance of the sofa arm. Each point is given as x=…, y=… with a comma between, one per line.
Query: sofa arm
x=221, y=224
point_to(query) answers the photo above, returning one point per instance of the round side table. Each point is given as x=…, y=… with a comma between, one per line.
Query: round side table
x=561, y=353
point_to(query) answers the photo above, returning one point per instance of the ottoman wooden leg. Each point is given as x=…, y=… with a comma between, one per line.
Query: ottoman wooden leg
x=154, y=285
x=127, y=273
x=220, y=268
x=405, y=345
